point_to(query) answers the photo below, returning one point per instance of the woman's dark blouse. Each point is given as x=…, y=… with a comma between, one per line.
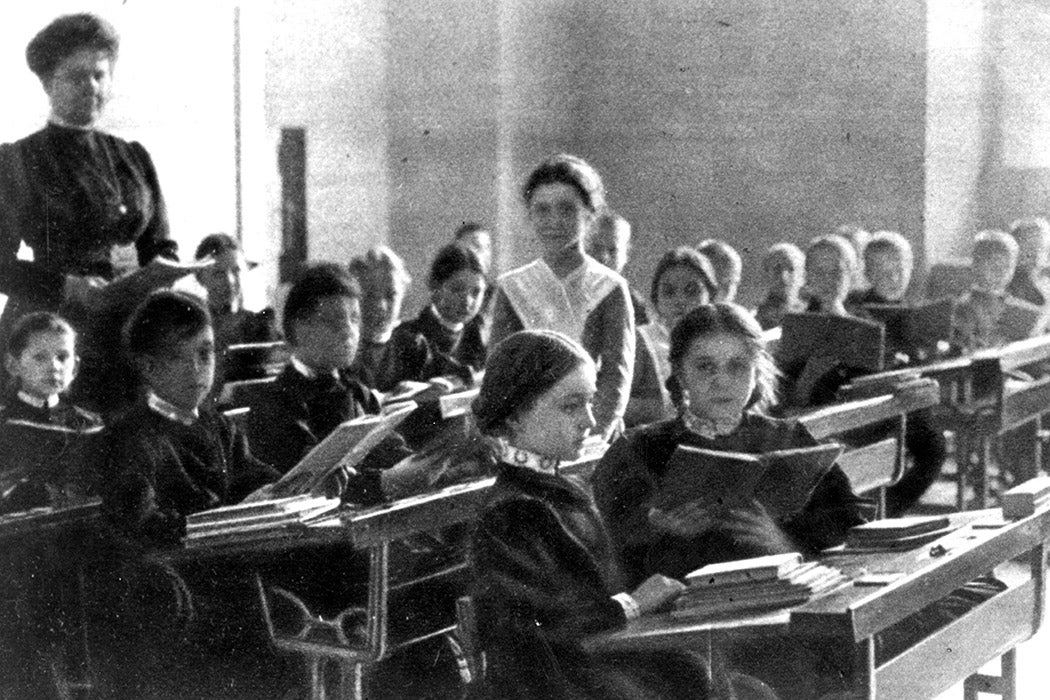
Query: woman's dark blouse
x=59, y=191
x=631, y=472
x=160, y=470
x=544, y=574
x=424, y=348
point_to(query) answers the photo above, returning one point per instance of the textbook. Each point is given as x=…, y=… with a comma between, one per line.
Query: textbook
x=782, y=481
x=914, y=328
x=742, y=570
x=849, y=341
x=344, y=448
x=789, y=581
x=895, y=528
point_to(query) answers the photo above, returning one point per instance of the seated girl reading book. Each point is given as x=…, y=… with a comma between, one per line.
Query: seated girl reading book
x=545, y=572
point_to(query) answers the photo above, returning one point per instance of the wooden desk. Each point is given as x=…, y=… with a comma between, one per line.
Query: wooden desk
x=873, y=466
x=854, y=615
x=374, y=531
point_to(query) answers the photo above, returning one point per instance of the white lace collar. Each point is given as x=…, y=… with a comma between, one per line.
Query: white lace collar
x=37, y=402
x=519, y=457
x=171, y=411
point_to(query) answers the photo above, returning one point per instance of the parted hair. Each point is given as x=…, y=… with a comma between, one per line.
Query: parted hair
x=788, y=252
x=317, y=282
x=567, y=170
x=724, y=258
x=163, y=317
x=66, y=35
x=840, y=246
x=731, y=319
x=380, y=259
x=451, y=259
x=684, y=256
x=34, y=324
x=520, y=369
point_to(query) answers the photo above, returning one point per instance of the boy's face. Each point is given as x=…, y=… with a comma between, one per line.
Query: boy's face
x=888, y=274
x=327, y=338
x=827, y=276
x=183, y=374
x=608, y=245
x=783, y=277
x=46, y=366
x=992, y=271
x=222, y=280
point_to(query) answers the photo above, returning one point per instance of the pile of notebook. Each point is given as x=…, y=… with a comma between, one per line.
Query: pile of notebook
x=891, y=534
x=245, y=522
x=774, y=581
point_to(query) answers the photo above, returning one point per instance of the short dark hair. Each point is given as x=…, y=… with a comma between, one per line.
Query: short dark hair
x=33, y=324
x=65, y=36
x=734, y=320
x=685, y=256
x=164, y=316
x=317, y=282
x=520, y=369
x=216, y=244
x=450, y=260
x=568, y=170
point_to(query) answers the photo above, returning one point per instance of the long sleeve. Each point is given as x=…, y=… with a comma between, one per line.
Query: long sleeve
x=609, y=335
x=646, y=402
x=533, y=573
x=247, y=472
x=504, y=319
x=279, y=432
x=156, y=237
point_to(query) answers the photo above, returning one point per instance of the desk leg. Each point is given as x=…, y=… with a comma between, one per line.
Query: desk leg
x=864, y=669
x=984, y=461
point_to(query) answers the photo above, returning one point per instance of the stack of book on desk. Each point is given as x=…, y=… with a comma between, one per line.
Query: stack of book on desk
x=774, y=581
x=891, y=534
x=253, y=521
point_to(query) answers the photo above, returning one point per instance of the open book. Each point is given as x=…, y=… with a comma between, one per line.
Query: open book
x=914, y=328
x=782, y=481
x=849, y=341
x=344, y=448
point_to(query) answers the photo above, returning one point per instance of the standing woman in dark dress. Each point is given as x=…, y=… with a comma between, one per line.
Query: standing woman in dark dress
x=78, y=197
x=545, y=571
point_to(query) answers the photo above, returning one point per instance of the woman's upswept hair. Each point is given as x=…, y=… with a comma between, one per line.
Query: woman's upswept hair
x=568, y=170
x=521, y=369
x=66, y=35
x=731, y=319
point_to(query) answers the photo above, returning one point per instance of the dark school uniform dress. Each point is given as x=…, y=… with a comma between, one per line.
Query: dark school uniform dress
x=296, y=412
x=426, y=347
x=73, y=196
x=544, y=577
x=48, y=453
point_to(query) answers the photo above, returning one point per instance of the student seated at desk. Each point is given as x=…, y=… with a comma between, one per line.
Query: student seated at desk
x=683, y=280
x=446, y=339
x=722, y=379
x=545, y=573
x=727, y=265
x=989, y=316
x=784, y=269
x=383, y=280
x=49, y=447
x=234, y=324
x=318, y=389
x=1030, y=281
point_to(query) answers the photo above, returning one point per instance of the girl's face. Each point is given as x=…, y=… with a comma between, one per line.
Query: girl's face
x=558, y=422
x=183, y=374
x=458, y=299
x=559, y=217
x=888, y=273
x=46, y=366
x=992, y=271
x=783, y=277
x=718, y=375
x=381, y=298
x=827, y=275
x=680, y=290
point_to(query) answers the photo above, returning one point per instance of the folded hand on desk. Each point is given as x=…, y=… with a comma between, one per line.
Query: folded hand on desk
x=687, y=520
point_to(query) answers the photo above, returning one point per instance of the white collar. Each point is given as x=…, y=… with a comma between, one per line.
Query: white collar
x=518, y=457
x=308, y=371
x=454, y=327
x=37, y=402
x=57, y=121
x=171, y=411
